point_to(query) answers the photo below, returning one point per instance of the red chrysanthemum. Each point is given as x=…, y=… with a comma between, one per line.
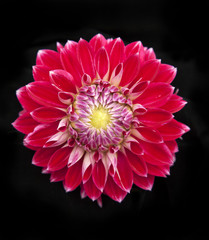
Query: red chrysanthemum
x=100, y=116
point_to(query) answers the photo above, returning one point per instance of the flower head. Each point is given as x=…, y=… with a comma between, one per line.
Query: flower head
x=100, y=116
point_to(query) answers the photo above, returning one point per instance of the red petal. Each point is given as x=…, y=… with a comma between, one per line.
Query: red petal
x=144, y=182
x=87, y=167
x=123, y=174
x=172, y=145
x=131, y=69
x=117, y=75
x=113, y=191
x=71, y=47
x=42, y=156
x=135, y=148
x=76, y=155
x=73, y=177
x=174, y=104
x=149, y=70
x=47, y=114
x=149, y=54
x=25, y=100
x=25, y=123
x=59, y=47
x=41, y=134
x=166, y=74
x=63, y=80
x=171, y=130
x=99, y=175
x=182, y=126
x=133, y=48
x=85, y=56
x=155, y=117
x=159, y=170
x=148, y=134
x=102, y=63
x=91, y=190
x=116, y=53
x=58, y=175
x=41, y=73
x=136, y=163
x=49, y=58
x=155, y=95
x=159, y=153
x=44, y=94
x=59, y=159
x=71, y=65
x=97, y=42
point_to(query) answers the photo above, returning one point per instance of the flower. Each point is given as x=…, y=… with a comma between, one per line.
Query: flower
x=100, y=116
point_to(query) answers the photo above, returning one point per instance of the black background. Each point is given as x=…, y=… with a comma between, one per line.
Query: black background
x=177, y=207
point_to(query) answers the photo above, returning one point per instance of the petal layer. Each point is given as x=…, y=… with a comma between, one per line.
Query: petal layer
x=44, y=93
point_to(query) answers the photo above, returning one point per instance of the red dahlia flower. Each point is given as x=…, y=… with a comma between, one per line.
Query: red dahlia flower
x=100, y=116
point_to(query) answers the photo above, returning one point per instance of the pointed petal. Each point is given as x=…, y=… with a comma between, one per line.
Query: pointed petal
x=117, y=75
x=99, y=201
x=159, y=153
x=41, y=73
x=62, y=80
x=134, y=147
x=99, y=175
x=114, y=191
x=97, y=42
x=123, y=176
x=25, y=123
x=73, y=176
x=91, y=190
x=147, y=134
x=71, y=47
x=58, y=175
x=75, y=155
x=59, y=159
x=57, y=139
x=41, y=134
x=133, y=48
x=131, y=69
x=145, y=183
x=43, y=93
x=156, y=95
x=171, y=130
x=137, y=164
x=48, y=58
x=71, y=65
x=25, y=100
x=159, y=170
x=102, y=63
x=59, y=47
x=112, y=158
x=137, y=89
x=47, y=114
x=85, y=56
x=87, y=167
x=149, y=54
x=116, y=53
x=42, y=156
x=166, y=74
x=149, y=70
x=174, y=104
x=155, y=117
x=172, y=145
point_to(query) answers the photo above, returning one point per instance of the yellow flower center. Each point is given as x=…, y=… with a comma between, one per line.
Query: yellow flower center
x=100, y=118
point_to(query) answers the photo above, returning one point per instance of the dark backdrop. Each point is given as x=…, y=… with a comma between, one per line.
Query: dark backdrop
x=177, y=207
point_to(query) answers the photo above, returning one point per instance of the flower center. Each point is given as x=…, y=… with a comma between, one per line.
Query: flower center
x=100, y=118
